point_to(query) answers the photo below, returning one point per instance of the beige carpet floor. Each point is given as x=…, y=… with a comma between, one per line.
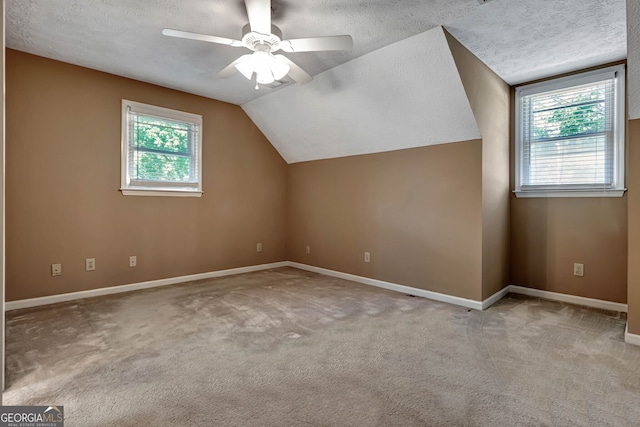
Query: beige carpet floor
x=290, y=348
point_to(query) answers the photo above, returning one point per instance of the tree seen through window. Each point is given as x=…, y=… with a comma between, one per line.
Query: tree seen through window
x=162, y=150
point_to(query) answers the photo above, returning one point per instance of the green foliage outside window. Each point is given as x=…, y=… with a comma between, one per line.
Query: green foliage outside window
x=162, y=150
x=581, y=113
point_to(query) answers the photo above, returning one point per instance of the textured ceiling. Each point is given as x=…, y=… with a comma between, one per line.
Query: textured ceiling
x=519, y=39
x=419, y=100
x=398, y=88
x=524, y=40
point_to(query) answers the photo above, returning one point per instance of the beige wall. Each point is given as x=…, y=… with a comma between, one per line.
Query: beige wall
x=633, y=168
x=633, y=185
x=63, y=176
x=417, y=211
x=2, y=193
x=489, y=97
x=549, y=235
x=435, y=218
x=432, y=217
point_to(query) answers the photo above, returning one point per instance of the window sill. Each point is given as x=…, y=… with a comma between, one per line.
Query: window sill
x=160, y=192
x=568, y=193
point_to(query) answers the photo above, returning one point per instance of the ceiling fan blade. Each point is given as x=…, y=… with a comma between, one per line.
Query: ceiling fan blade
x=295, y=72
x=259, y=12
x=202, y=37
x=314, y=44
x=230, y=69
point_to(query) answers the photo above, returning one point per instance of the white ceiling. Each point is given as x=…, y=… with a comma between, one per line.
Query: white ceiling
x=396, y=89
x=519, y=39
x=525, y=40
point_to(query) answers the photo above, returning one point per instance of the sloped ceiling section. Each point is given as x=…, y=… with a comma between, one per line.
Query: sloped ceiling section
x=406, y=95
x=633, y=61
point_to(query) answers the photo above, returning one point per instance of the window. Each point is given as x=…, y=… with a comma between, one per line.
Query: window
x=161, y=151
x=570, y=136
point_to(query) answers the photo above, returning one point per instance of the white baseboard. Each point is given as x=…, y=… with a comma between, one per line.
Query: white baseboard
x=34, y=302
x=476, y=305
x=571, y=299
x=468, y=303
x=495, y=298
x=630, y=338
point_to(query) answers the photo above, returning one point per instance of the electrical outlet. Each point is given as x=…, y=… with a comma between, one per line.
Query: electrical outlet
x=308, y=249
x=578, y=269
x=133, y=261
x=259, y=247
x=90, y=264
x=56, y=269
x=367, y=257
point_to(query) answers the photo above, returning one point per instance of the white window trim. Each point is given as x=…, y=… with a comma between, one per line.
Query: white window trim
x=618, y=72
x=155, y=189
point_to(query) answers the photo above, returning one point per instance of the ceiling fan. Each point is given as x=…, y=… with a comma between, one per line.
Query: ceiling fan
x=263, y=38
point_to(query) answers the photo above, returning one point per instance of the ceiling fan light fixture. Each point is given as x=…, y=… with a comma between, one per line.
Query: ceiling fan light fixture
x=246, y=67
x=279, y=68
x=266, y=67
x=264, y=38
x=262, y=67
x=265, y=78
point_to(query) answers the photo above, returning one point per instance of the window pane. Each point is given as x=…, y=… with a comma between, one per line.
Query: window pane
x=566, y=114
x=568, y=136
x=161, y=150
x=161, y=134
x=161, y=167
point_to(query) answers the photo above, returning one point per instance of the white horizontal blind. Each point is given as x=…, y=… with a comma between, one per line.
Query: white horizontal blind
x=162, y=152
x=568, y=137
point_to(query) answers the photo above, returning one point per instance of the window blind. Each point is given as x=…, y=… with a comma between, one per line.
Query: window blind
x=568, y=137
x=162, y=152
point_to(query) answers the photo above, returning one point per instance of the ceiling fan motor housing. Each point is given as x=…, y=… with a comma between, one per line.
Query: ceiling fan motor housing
x=252, y=39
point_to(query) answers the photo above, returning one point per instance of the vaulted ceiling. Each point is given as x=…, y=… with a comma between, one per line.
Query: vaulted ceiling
x=521, y=40
x=419, y=99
